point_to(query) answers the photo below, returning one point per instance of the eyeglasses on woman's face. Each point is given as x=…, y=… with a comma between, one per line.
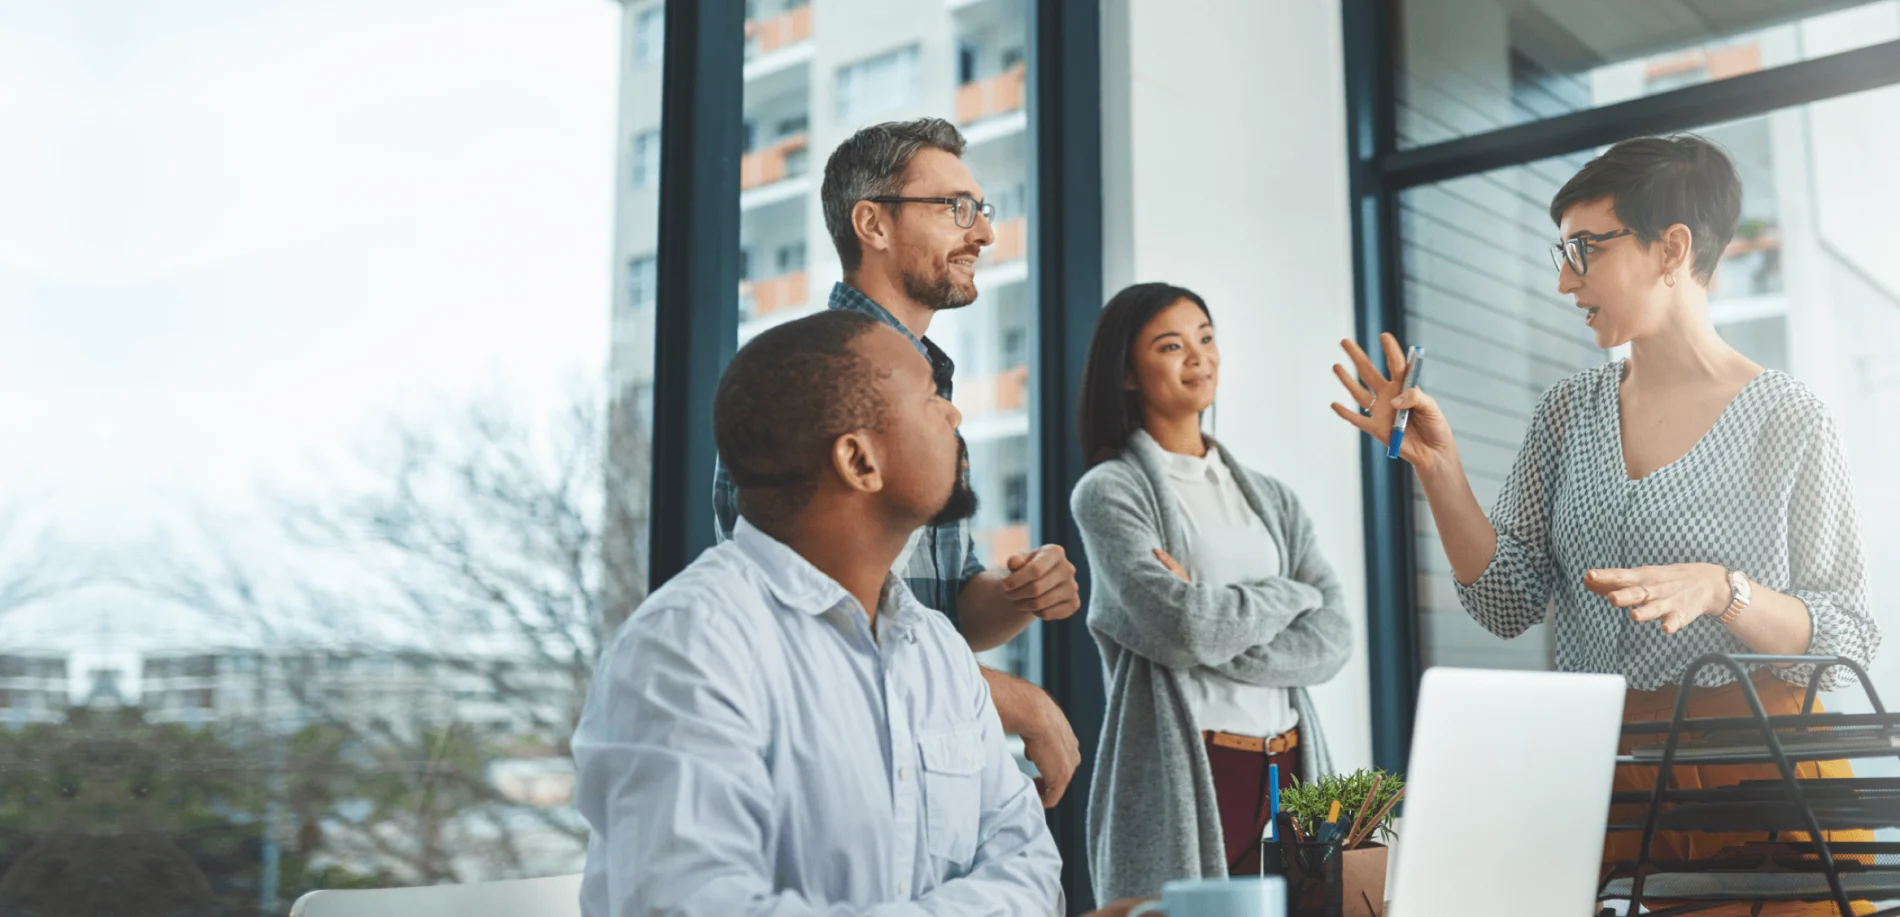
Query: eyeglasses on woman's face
x=1575, y=251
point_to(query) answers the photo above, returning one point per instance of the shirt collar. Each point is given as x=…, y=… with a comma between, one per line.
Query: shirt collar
x=1186, y=467
x=942, y=368
x=798, y=585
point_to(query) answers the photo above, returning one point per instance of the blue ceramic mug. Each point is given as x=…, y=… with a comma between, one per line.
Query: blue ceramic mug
x=1250, y=896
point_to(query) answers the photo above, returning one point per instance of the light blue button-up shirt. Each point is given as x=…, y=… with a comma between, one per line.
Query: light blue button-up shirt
x=750, y=747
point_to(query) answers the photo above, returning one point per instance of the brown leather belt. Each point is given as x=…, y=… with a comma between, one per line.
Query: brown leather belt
x=1284, y=742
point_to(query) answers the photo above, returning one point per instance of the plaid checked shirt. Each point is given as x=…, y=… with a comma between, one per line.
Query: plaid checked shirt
x=944, y=559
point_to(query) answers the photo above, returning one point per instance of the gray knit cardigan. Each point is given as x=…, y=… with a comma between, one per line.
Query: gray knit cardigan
x=1152, y=812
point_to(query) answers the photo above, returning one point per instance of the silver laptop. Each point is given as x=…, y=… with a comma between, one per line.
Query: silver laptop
x=1507, y=794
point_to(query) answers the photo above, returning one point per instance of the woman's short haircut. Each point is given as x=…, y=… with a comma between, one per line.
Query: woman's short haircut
x=1656, y=182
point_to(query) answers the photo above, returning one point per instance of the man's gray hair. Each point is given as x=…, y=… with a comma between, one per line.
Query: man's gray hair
x=873, y=163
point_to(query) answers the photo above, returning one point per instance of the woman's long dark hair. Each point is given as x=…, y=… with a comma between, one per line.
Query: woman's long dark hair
x=1109, y=412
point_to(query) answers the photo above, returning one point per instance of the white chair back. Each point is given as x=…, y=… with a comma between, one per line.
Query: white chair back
x=556, y=896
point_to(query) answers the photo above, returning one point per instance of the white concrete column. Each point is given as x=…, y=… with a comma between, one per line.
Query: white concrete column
x=1224, y=163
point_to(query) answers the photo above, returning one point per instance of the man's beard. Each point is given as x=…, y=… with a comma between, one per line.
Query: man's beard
x=962, y=502
x=940, y=292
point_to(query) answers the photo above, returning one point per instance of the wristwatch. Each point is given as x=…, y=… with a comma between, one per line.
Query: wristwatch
x=1738, y=597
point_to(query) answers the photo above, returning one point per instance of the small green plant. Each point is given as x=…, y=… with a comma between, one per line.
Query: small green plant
x=1307, y=803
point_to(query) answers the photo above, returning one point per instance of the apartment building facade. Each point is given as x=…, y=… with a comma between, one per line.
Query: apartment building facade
x=815, y=72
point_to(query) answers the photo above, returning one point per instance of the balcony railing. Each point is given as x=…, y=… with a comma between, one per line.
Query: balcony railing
x=1002, y=543
x=1012, y=242
x=781, y=160
x=768, y=296
x=994, y=394
x=763, y=36
x=1751, y=265
x=997, y=95
x=1716, y=64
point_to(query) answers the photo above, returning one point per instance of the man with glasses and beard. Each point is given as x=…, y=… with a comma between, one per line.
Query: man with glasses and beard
x=783, y=728
x=908, y=221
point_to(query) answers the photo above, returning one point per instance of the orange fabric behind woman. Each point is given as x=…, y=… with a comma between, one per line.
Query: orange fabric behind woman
x=1778, y=698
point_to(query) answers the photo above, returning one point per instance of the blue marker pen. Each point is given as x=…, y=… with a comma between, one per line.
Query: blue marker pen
x=1412, y=362
x=1270, y=834
x=1273, y=803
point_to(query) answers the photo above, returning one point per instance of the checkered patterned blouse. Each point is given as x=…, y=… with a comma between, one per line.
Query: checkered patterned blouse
x=1766, y=491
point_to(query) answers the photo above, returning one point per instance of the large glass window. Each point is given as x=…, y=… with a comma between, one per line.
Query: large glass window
x=304, y=561
x=1470, y=66
x=1480, y=296
x=630, y=371
x=992, y=339
x=1806, y=287
x=808, y=86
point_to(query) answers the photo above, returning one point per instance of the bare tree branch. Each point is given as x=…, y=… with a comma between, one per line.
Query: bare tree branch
x=34, y=565
x=498, y=547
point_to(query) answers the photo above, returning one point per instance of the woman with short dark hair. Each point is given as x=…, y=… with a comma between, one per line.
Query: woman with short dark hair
x=1212, y=607
x=1678, y=502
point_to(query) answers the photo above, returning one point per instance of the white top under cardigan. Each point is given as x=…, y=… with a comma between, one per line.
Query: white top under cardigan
x=1225, y=542
x=1153, y=814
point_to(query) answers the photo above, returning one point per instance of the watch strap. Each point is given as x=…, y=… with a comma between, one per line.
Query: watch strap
x=1738, y=598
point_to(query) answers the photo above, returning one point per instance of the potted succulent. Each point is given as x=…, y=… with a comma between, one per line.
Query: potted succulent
x=1366, y=802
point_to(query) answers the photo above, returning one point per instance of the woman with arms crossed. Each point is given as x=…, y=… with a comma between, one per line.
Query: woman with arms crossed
x=1212, y=607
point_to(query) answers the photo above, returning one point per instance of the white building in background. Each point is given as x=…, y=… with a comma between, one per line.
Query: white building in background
x=34, y=687
x=286, y=691
x=815, y=72
x=523, y=707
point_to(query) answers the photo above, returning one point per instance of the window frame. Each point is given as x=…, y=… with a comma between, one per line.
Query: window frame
x=1379, y=172
x=696, y=314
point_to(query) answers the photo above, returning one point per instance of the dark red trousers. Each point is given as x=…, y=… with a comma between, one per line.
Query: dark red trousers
x=1240, y=786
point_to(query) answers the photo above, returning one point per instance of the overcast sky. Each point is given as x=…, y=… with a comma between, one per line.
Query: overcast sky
x=235, y=233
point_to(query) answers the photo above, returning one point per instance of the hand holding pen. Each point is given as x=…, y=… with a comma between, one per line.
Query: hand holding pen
x=1381, y=399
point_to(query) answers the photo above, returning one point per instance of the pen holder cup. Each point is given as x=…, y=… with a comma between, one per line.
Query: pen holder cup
x=1323, y=880
x=1315, y=878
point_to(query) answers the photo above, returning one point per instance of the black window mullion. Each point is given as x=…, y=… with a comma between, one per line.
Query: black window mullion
x=1676, y=110
x=1372, y=137
x=696, y=323
x=1066, y=268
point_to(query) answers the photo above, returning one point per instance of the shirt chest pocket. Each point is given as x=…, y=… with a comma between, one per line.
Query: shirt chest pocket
x=952, y=762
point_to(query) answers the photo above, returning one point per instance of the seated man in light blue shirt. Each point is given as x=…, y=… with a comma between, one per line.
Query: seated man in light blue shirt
x=783, y=729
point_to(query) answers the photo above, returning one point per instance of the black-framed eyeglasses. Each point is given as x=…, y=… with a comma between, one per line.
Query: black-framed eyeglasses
x=1576, y=250
x=965, y=207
